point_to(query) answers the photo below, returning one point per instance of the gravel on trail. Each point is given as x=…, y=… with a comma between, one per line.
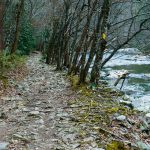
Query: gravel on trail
x=36, y=116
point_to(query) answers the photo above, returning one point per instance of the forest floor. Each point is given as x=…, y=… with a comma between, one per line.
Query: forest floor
x=45, y=111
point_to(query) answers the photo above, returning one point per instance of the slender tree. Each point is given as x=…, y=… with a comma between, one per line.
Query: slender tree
x=2, y=9
x=19, y=11
x=95, y=75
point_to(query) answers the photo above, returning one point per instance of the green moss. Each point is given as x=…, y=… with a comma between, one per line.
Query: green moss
x=85, y=91
x=82, y=133
x=74, y=81
x=96, y=108
x=112, y=110
x=116, y=145
x=7, y=64
x=4, y=80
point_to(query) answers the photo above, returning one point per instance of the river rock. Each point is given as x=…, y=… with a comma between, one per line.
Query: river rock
x=148, y=115
x=4, y=145
x=127, y=103
x=143, y=146
x=121, y=118
x=147, y=118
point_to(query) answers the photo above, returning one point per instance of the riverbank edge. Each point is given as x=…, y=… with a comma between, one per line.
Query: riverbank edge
x=110, y=118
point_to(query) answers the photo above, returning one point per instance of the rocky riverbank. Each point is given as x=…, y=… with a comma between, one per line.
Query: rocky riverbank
x=45, y=111
x=106, y=116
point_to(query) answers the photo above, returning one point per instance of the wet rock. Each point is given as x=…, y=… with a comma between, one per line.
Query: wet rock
x=4, y=145
x=121, y=118
x=147, y=116
x=143, y=146
x=144, y=125
x=127, y=103
x=145, y=129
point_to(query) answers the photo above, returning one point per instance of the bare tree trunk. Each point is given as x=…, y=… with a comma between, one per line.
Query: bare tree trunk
x=78, y=49
x=95, y=75
x=83, y=59
x=66, y=53
x=92, y=52
x=2, y=9
x=20, y=7
x=83, y=37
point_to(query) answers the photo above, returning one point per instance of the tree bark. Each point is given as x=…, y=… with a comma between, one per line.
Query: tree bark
x=101, y=46
x=20, y=7
x=82, y=39
x=2, y=9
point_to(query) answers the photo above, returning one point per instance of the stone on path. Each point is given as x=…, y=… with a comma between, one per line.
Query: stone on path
x=121, y=118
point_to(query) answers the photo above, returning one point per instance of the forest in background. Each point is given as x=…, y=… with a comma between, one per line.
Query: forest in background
x=67, y=31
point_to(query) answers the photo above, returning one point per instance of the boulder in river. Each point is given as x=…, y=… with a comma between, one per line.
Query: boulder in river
x=147, y=118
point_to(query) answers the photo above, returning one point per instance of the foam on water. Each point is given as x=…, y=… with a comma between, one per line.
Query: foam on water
x=137, y=85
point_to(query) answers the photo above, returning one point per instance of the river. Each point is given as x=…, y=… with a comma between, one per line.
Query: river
x=137, y=85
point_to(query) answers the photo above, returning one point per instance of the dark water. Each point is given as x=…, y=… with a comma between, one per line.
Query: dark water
x=137, y=85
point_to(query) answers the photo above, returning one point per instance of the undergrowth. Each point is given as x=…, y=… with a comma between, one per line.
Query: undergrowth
x=7, y=64
x=10, y=61
x=96, y=107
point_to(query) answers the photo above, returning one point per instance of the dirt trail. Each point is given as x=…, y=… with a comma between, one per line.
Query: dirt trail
x=43, y=113
x=36, y=117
